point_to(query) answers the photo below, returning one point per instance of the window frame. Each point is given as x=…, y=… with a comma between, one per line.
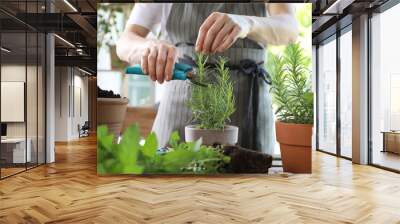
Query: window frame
x=334, y=37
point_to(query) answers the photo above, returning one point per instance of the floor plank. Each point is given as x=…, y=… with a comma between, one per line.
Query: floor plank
x=69, y=191
x=386, y=159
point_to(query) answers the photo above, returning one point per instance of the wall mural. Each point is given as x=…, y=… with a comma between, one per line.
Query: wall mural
x=219, y=84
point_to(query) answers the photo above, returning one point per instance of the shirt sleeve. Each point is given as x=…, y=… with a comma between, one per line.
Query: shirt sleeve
x=147, y=15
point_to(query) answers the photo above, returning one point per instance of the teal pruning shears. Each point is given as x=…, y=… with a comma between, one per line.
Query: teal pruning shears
x=181, y=72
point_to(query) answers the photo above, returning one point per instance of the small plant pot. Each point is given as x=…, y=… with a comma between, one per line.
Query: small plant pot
x=111, y=112
x=227, y=136
x=295, y=145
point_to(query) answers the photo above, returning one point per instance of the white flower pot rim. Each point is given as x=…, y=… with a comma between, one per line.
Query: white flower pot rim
x=227, y=136
x=226, y=127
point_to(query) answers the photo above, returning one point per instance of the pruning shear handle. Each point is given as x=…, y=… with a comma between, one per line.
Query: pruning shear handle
x=181, y=71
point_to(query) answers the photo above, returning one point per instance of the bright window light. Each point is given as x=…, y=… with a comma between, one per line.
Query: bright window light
x=70, y=5
x=5, y=50
x=84, y=71
x=64, y=40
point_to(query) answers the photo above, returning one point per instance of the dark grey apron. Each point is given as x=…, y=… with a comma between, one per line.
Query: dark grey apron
x=256, y=128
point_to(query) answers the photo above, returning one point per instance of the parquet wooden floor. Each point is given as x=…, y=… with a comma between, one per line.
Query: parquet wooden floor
x=69, y=191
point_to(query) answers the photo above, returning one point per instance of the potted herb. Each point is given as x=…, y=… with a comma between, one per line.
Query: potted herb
x=292, y=95
x=111, y=110
x=212, y=105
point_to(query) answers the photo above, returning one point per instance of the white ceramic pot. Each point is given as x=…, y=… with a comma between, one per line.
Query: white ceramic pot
x=111, y=112
x=227, y=136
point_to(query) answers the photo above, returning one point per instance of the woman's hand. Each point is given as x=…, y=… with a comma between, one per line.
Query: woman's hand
x=158, y=61
x=219, y=31
x=157, y=58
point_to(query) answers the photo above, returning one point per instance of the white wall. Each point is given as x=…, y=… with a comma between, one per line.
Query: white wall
x=61, y=103
x=80, y=100
x=71, y=94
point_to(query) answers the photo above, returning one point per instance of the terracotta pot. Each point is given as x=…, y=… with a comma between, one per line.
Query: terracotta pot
x=228, y=136
x=295, y=144
x=111, y=112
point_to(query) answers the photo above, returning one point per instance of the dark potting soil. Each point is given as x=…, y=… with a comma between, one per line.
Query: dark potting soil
x=246, y=161
x=106, y=93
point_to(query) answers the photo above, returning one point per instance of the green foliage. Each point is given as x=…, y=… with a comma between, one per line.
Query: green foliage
x=304, y=19
x=291, y=87
x=110, y=22
x=214, y=104
x=129, y=157
x=118, y=158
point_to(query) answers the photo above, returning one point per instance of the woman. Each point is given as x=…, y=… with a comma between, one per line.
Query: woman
x=238, y=31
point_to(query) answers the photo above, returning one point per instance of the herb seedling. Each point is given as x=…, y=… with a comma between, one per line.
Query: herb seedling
x=214, y=104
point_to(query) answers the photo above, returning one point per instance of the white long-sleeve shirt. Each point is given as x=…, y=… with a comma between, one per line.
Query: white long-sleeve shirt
x=153, y=21
x=154, y=16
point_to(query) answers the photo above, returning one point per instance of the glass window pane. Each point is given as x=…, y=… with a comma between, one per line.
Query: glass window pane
x=32, y=97
x=22, y=87
x=327, y=97
x=346, y=94
x=385, y=89
x=15, y=151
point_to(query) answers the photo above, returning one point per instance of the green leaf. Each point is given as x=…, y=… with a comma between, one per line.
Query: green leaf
x=309, y=97
x=103, y=138
x=177, y=160
x=150, y=146
x=174, y=139
x=128, y=150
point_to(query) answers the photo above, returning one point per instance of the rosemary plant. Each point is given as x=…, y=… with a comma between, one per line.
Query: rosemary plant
x=291, y=87
x=214, y=104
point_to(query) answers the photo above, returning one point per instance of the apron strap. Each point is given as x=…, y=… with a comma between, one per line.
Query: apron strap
x=246, y=66
x=257, y=74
